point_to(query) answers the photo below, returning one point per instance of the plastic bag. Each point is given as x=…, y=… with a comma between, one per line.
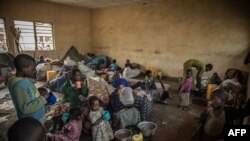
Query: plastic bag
x=126, y=96
x=69, y=62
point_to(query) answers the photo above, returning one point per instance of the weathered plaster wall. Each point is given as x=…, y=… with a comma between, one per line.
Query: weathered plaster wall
x=163, y=34
x=71, y=25
x=166, y=34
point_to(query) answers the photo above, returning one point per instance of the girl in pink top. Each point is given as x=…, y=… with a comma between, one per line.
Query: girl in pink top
x=184, y=90
x=72, y=130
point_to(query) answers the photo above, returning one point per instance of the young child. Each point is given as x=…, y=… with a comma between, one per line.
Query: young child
x=214, y=119
x=148, y=83
x=72, y=129
x=215, y=79
x=26, y=129
x=101, y=130
x=184, y=92
x=60, y=116
x=40, y=60
x=50, y=98
x=128, y=64
x=74, y=90
x=24, y=93
x=114, y=66
x=216, y=116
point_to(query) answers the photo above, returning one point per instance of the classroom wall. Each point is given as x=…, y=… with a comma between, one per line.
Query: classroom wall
x=166, y=34
x=71, y=25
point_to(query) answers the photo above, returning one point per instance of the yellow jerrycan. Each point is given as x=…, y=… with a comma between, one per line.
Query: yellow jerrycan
x=137, y=137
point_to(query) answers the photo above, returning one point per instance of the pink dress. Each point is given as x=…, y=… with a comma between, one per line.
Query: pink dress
x=74, y=128
x=186, y=85
x=185, y=91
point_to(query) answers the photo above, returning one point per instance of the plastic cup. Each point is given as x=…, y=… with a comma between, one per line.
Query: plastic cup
x=78, y=84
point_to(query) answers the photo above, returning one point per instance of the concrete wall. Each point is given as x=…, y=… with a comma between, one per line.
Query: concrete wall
x=162, y=34
x=71, y=25
x=165, y=34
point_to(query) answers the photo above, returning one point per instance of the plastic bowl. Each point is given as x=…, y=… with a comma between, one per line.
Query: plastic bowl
x=106, y=115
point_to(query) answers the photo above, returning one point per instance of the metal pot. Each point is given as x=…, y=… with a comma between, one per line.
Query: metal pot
x=147, y=128
x=123, y=135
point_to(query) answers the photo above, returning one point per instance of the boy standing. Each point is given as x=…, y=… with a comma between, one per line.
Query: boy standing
x=25, y=96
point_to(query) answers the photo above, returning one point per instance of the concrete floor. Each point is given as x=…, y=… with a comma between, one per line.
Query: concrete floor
x=173, y=124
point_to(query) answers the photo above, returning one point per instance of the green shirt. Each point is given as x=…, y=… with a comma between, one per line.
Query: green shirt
x=196, y=64
x=71, y=94
x=26, y=98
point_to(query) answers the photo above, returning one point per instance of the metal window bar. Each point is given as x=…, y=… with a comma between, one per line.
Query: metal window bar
x=44, y=36
x=3, y=39
x=27, y=34
x=35, y=33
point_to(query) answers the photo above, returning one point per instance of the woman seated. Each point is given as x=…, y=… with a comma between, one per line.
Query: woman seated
x=121, y=107
x=144, y=103
x=234, y=86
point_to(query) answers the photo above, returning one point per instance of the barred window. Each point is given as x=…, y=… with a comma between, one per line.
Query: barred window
x=3, y=39
x=35, y=35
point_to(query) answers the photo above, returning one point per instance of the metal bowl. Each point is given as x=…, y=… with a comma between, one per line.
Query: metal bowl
x=123, y=135
x=147, y=128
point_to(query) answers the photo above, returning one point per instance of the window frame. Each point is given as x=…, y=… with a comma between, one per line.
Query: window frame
x=6, y=35
x=35, y=34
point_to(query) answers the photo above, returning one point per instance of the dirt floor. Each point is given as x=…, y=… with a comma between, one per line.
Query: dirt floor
x=174, y=124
